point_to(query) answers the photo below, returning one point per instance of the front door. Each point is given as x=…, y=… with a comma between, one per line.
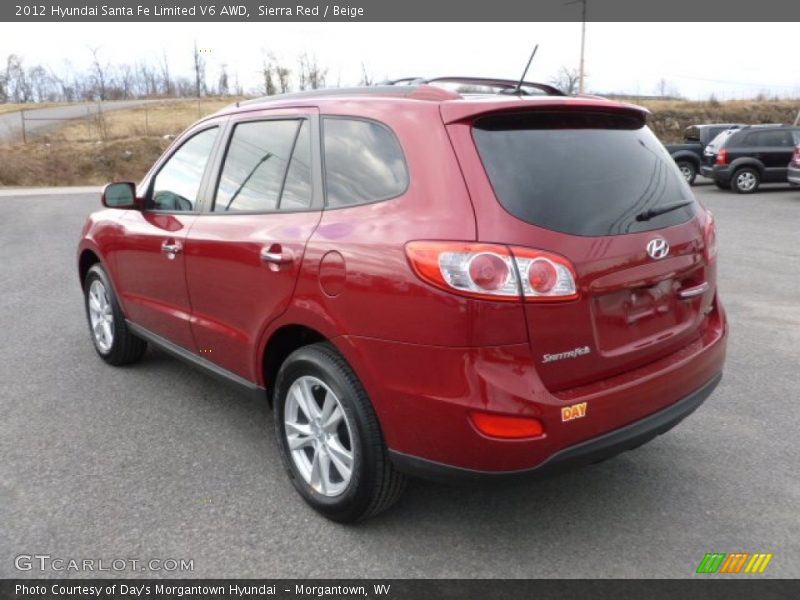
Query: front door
x=150, y=259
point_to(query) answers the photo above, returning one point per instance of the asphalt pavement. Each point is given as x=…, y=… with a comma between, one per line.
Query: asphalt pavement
x=157, y=460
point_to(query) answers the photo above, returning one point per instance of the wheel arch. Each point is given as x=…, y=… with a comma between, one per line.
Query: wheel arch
x=747, y=161
x=280, y=344
x=687, y=156
x=86, y=260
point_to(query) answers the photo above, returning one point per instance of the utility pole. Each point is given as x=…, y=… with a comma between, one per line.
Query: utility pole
x=581, y=71
x=583, y=47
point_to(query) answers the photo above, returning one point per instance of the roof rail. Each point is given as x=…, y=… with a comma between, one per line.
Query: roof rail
x=507, y=86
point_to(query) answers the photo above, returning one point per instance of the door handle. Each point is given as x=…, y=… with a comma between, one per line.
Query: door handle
x=691, y=292
x=275, y=255
x=171, y=248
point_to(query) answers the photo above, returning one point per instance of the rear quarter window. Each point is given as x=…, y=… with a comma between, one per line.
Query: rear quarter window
x=582, y=173
x=363, y=162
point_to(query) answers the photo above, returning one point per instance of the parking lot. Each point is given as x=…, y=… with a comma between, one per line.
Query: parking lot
x=159, y=461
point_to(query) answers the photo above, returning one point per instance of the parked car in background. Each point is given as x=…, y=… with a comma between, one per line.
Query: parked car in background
x=793, y=172
x=688, y=155
x=420, y=281
x=752, y=155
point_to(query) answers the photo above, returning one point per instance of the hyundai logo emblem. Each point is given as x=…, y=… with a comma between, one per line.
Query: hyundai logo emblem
x=657, y=248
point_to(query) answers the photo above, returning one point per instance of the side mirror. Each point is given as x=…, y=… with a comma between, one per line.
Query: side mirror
x=120, y=195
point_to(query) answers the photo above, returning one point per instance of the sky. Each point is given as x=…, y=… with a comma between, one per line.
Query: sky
x=728, y=60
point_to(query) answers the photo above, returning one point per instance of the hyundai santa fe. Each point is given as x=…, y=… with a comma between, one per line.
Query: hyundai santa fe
x=421, y=281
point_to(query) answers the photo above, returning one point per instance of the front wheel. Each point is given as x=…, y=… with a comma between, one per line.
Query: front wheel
x=688, y=170
x=329, y=437
x=745, y=181
x=112, y=339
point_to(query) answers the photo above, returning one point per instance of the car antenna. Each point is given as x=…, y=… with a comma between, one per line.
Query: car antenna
x=518, y=89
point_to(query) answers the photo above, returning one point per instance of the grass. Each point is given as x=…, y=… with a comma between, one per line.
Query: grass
x=163, y=118
x=117, y=146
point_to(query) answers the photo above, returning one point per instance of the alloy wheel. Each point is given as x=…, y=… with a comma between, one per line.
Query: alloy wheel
x=746, y=181
x=101, y=316
x=319, y=436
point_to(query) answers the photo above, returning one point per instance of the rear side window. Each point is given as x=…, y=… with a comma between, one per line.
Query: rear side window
x=363, y=162
x=582, y=173
x=267, y=167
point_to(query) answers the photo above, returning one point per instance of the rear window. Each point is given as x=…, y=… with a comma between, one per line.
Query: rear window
x=582, y=173
x=718, y=141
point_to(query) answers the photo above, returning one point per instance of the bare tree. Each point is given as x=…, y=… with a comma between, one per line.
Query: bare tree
x=41, y=84
x=267, y=71
x=127, y=80
x=199, y=72
x=3, y=88
x=667, y=89
x=283, y=74
x=366, y=77
x=144, y=78
x=223, y=89
x=167, y=87
x=312, y=75
x=567, y=80
x=18, y=86
x=302, y=76
x=99, y=73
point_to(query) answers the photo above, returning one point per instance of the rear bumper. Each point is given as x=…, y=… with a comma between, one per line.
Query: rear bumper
x=423, y=396
x=721, y=174
x=591, y=451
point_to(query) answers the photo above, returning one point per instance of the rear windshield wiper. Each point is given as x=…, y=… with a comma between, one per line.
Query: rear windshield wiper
x=648, y=214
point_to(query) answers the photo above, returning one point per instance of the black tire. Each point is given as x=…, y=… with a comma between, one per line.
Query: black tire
x=745, y=180
x=125, y=348
x=374, y=483
x=721, y=186
x=688, y=170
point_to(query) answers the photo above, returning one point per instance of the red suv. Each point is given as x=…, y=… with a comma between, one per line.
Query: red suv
x=421, y=281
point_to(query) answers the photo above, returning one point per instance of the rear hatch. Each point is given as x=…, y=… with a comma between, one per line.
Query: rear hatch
x=596, y=187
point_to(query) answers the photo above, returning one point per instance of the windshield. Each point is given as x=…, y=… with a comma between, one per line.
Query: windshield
x=582, y=173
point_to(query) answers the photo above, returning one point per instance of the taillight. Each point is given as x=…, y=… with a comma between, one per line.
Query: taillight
x=722, y=157
x=711, y=238
x=796, y=157
x=492, y=271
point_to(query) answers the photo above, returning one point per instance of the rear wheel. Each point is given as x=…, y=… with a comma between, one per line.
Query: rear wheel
x=688, y=170
x=330, y=440
x=720, y=185
x=745, y=181
x=111, y=337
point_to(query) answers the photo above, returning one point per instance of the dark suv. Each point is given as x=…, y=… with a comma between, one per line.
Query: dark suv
x=751, y=156
x=688, y=155
x=420, y=281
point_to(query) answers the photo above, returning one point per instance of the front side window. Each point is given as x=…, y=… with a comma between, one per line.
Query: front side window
x=363, y=162
x=267, y=167
x=177, y=184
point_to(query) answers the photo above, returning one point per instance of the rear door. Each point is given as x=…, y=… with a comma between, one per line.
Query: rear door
x=150, y=256
x=245, y=251
x=591, y=186
x=774, y=148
